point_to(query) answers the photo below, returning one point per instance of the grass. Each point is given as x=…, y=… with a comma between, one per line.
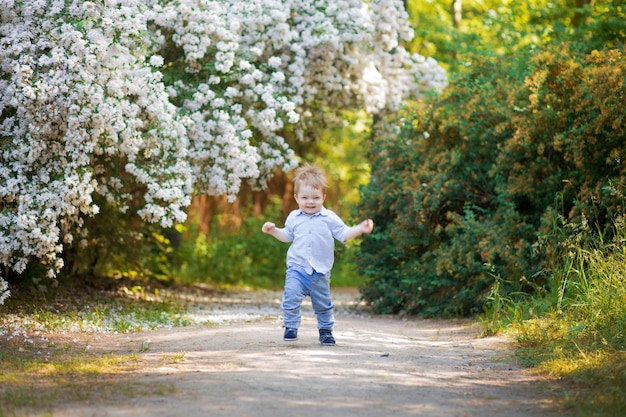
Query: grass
x=32, y=383
x=574, y=328
x=46, y=357
x=591, y=372
x=94, y=308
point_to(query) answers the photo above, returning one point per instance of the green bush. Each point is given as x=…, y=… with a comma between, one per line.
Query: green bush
x=242, y=257
x=469, y=179
x=245, y=257
x=435, y=201
x=571, y=137
x=118, y=244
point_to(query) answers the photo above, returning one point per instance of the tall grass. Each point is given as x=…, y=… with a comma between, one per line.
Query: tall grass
x=574, y=327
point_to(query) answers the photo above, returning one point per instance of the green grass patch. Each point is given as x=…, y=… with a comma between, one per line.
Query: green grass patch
x=591, y=371
x=46, y=356
x=574, y=327
x=30, y=384
x=101, y=305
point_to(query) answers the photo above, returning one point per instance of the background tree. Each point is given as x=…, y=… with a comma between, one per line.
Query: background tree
x=498, y=27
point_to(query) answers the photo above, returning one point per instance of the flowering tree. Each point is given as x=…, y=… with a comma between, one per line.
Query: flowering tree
x=144, y=102
x=82, y=113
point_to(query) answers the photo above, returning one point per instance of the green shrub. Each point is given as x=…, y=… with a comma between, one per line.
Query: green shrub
x=118, y=244
x=469, y=179
x=245, y=257
x=571, y=136
x=242, y=257
x=435, y=201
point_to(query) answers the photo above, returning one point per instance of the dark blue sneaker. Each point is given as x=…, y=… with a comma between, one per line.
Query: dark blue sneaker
x=291, y=335
x=326, y=337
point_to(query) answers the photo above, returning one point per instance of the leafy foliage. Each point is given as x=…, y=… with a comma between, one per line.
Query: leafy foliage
x=505, y=27
x=470, y=178
x=232, y=257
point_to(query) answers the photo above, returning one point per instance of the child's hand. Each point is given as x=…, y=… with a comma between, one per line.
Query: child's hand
x=268, y=227
x=367, y=226
x=363, y=228
x=280, y=234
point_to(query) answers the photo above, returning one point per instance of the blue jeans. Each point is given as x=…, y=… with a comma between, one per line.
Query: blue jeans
x=299, y=284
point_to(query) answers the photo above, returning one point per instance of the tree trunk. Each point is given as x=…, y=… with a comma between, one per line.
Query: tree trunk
x=204, y=208
x=457, y=13
x=577, y=19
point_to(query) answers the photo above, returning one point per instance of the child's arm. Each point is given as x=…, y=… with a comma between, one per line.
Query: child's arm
x=271, y=229
x=363, y=228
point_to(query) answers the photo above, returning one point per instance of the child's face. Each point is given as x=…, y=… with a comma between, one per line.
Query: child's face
x=309, y=199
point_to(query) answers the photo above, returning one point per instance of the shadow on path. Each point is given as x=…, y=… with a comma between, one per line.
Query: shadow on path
x=380, y=367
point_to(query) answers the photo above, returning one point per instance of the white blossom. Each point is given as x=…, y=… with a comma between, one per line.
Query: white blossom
x=156, y=61
x=90, y=106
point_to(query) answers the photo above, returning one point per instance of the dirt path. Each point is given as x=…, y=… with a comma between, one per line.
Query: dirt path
x=380, y=367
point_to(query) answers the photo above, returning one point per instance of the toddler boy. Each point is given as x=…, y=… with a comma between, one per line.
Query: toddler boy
x=312, y=230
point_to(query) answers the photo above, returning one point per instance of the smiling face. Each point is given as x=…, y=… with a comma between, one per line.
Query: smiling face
x=310, y=200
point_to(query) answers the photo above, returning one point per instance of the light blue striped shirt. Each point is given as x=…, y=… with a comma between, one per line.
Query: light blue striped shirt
x=313, y=239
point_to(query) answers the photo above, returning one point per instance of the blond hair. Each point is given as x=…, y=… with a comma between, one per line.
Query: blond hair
x=312, y=176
